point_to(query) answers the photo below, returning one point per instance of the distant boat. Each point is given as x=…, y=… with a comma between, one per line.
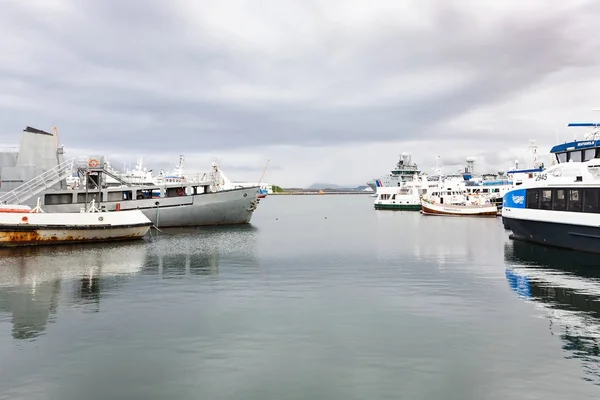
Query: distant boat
x=452, y=199
x=459, y=210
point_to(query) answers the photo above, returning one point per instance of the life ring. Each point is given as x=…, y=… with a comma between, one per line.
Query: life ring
x=180, y=192
x=93, y=163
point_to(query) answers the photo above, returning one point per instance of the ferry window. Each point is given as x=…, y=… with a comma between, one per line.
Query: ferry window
x=559, y=202
x=575, y=156
x=562, y=157
x=591, y=200
x=546, y=200
x=533, y=198
x=598, y=152
x=589, y=154
x=574, y=203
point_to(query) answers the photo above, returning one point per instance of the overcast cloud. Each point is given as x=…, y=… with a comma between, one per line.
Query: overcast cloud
x=330, y=90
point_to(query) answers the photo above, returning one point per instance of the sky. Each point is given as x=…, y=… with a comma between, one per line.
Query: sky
x=328, y=91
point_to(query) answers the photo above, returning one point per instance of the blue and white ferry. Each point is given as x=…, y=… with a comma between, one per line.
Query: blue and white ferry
x=561, y=206
x=579, y=150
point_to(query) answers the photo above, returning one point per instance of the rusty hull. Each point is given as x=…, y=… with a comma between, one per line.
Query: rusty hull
x=40, y=236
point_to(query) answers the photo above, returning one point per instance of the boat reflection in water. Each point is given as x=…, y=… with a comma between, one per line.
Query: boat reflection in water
x=566, y=286
x=34, y=279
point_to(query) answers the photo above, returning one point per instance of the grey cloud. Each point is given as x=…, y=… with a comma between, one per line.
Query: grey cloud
x=132, y=74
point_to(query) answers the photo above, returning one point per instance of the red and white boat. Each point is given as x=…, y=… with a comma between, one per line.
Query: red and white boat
x=428, y=207
x=454, y=201
x=22, y=226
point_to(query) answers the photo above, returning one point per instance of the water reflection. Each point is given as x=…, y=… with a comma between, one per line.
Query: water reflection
x=33, y=280
x=566, y=286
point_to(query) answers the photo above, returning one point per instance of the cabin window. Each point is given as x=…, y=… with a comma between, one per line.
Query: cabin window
x=575, y=156
x=559, y=202
x=561, y=157
x=81, y=197
x=51, y=199
x=591, y=200
x=574, y=203
x=597, y=152
x=546, y=200
x=589, y=154
x=533, y=198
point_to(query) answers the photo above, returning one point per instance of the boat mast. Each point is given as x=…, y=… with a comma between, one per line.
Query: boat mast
x=263, y=173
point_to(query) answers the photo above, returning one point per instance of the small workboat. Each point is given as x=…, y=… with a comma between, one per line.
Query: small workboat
x=472, y=210
x=23, y=226
x=458, y=204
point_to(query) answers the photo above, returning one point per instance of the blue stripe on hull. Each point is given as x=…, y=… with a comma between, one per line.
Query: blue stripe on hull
x=574, y=237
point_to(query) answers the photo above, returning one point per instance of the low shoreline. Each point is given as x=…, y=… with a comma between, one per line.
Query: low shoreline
x=315, y=193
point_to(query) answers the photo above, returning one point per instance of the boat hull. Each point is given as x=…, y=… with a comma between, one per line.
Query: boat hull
x=398, y=207
x=459, y=211
x=228, y=207
x=26, y=229
x=563, y=235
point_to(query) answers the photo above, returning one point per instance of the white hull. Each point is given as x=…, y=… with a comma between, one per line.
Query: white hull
x=458, y=210
x=30, y=228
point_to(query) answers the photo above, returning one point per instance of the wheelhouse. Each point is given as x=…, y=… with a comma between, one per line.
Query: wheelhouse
x=579, y=150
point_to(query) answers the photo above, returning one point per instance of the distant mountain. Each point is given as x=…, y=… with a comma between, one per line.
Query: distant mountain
x=317, y=186
x=324, y=186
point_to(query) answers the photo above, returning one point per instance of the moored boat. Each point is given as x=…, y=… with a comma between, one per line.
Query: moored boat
x=560, y=208
x=429, y=207
x=38, y=168
x=28, y=227
x=451, y=199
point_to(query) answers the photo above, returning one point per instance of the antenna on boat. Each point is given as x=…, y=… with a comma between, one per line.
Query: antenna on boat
x=263, y=173
x=55, y=134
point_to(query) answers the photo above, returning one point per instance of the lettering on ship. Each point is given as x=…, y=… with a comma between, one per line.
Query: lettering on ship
x=518, y=199
x=588, y=143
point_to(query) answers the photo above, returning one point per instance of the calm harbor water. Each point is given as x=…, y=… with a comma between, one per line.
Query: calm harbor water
x=320, y=298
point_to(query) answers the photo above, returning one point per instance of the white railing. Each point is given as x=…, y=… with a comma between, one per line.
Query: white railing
x=38, y=184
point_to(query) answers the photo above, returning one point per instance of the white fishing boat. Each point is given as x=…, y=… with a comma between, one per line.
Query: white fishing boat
x=451, y=198
x=469, y=208
x=22, y=226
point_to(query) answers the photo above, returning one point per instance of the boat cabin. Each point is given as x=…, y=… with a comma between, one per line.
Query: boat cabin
x=579, y=150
